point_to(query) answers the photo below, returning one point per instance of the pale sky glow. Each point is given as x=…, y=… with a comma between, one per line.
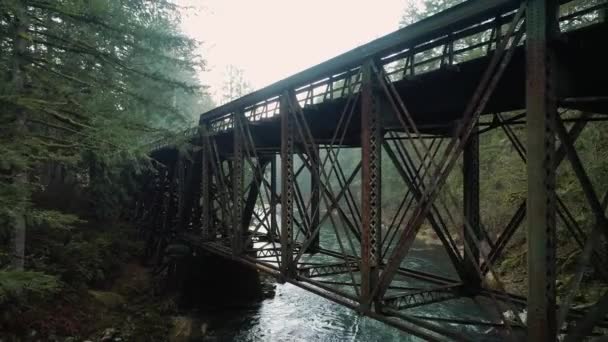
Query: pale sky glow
x=273, y=39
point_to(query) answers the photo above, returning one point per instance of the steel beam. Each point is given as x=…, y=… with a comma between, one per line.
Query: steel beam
x=206, y=198
x=371, y=198
x=193, y=193
x=433, y=217
x=329, y=269
x=254, y=192
x=238, y=179
x=315, y=200
x=541, y=29
x=287, y=186
x=422, y=297
x=520, y=213
x=273, y=233
x=470, y=182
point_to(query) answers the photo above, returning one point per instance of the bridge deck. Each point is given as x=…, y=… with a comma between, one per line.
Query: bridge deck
x=437, y=99
x=435, y=92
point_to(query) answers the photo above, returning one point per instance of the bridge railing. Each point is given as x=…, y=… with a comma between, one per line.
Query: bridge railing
x=467, y=31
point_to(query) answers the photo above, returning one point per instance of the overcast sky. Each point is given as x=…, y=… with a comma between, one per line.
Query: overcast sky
x=272, y=39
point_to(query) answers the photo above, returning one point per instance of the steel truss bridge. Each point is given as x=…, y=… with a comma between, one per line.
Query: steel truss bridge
x=262, y=180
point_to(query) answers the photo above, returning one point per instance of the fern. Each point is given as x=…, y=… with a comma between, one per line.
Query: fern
x=21, y=286
x=53, y=219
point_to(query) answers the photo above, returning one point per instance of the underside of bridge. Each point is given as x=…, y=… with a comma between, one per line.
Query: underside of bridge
x=263, y=179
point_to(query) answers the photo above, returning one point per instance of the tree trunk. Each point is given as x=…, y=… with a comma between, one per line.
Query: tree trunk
x=20, y=130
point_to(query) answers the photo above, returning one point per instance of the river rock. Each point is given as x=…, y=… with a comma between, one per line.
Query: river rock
x=109, y=335
x=268, y=290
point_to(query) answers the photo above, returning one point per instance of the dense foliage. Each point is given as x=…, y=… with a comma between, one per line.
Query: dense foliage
x=85, y=86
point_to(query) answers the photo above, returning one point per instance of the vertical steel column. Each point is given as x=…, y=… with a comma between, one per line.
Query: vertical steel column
x=470, y=192
x=273, y=234
x=205, y=183
x=371, y=143
x=541, y=28
x=254, y=192
x=191, y=215
x=238, y=180
x=315, y=199
x=287, y=187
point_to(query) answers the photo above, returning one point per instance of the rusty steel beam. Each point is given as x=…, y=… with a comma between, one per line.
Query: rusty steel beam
x=206, y=179
x=371, y=198
x=238, y=179
x=520, y=213
x=413, y=299
x=470, y=182
x=541, y=30
x=222, y=189
x=315, y=201
x=600, y=225
x=193, y=193
x=287, y=186
x=433, y=216
x=505, y=237
x=254, y=192
x=271, y=252
x=327, y=270
x=273, y=233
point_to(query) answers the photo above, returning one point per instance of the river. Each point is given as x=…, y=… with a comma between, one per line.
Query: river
x=297, y=315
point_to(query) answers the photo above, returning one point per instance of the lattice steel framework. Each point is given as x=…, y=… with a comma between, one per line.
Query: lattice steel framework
x=270, y=180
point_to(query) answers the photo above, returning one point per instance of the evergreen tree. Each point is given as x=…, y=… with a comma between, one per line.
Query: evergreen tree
x=86, y=84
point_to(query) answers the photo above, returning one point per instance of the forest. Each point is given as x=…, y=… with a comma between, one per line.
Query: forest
x=86, y=87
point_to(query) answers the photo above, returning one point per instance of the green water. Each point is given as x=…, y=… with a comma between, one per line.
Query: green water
x=297, y=315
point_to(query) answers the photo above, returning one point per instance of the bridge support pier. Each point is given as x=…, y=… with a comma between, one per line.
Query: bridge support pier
x=541, y=29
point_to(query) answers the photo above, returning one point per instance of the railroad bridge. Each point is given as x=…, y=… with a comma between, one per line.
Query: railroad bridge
x=262, y=181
